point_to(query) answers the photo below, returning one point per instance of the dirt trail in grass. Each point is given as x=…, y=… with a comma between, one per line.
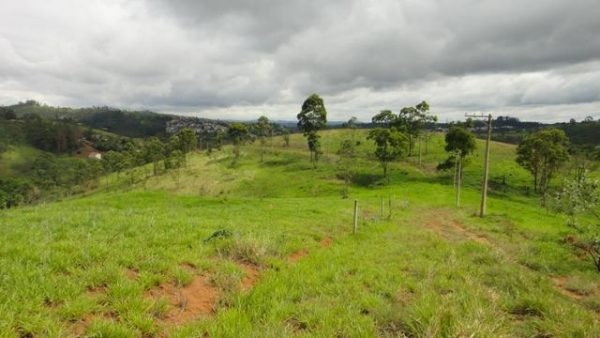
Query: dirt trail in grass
x=442, y=223
x=560, y=283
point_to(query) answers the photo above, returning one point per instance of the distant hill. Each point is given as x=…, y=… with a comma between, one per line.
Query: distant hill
x=126, y=123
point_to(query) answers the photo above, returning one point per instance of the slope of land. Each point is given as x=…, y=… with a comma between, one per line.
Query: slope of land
x=267, y=250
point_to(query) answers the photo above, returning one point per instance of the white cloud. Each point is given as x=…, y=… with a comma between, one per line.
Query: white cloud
x=241, y=59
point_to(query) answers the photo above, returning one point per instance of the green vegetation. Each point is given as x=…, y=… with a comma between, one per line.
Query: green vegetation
x=460, y=143
x=390, y=145
x=123, y=261
x=543, y=153
x=311, y=119
x=126, y=123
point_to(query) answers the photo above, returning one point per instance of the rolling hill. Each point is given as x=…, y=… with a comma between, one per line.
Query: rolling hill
x=266, y=249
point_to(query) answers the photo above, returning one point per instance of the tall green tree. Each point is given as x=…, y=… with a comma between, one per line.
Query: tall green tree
x=390, y=145
x=411, y=120
x=155, y=152
x=264, y=129
x=311, y=119
x=188, y=142
x=460, y=143
x=385, y=118
x=238, y=134
x=214, y=140
x=543, y=153
x=579, y=199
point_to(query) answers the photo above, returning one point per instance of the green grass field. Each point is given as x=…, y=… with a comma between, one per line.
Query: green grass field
x=132, y=261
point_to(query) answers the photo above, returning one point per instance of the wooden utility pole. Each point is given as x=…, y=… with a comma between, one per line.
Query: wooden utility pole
x=486, y=163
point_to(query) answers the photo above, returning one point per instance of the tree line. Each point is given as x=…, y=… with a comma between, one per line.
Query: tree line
x=51, y=174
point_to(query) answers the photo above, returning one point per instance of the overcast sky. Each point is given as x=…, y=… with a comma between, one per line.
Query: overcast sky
x=536, y=60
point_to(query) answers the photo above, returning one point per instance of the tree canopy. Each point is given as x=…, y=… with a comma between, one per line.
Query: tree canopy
x=311, y=119
x=390, y=145
x=543, y=153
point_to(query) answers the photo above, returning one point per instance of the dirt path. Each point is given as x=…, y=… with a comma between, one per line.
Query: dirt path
x=444, y=224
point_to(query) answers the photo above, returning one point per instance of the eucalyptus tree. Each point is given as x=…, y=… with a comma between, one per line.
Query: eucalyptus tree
x=238, y=134
x=311, y=119
x=390, y=145
x=460, y=143
x=264, y=130
x=543, y=153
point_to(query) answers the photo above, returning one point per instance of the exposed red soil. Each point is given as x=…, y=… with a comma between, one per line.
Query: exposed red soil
x=298, y=255
x=251, y=277
x=188, y=266
x=560, y=284
x=132, y=274
x=448, y=228
x=325, y=242
x=79, y=327
x=95, y=291
x=196, y=299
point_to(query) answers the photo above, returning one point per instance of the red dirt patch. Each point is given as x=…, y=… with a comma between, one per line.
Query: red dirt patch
x=325, y=242
x=96, y=291
x=188, y=266
x=560, y=284
x=451, y=229
x=79, y=327
x=196, y=299
x=298, y=255
x=132, y=273
x=251, y=277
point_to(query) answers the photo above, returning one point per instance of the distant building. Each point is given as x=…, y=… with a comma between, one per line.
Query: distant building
x=200, y=126
x=95, y=155
x=86, y=150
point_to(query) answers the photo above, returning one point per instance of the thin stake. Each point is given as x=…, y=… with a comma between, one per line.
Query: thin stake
x=390, y=207
x=355, y=226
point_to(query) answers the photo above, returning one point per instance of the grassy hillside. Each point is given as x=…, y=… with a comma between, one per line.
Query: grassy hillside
x=134, y=261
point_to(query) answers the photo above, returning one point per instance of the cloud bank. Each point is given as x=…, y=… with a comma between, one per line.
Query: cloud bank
x=239, y=59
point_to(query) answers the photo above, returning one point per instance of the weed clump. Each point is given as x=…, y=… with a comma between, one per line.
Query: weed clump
x=527, y=307
x=223, y=233
x=242, y=249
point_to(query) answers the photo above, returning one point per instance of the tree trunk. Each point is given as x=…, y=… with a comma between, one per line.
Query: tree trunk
x=385, y=171
x=455, y=178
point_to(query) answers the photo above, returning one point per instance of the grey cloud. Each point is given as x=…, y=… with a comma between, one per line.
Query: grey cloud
x=265, y=56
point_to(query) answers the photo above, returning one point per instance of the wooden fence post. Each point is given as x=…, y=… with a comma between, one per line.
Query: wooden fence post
x=355, y=226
